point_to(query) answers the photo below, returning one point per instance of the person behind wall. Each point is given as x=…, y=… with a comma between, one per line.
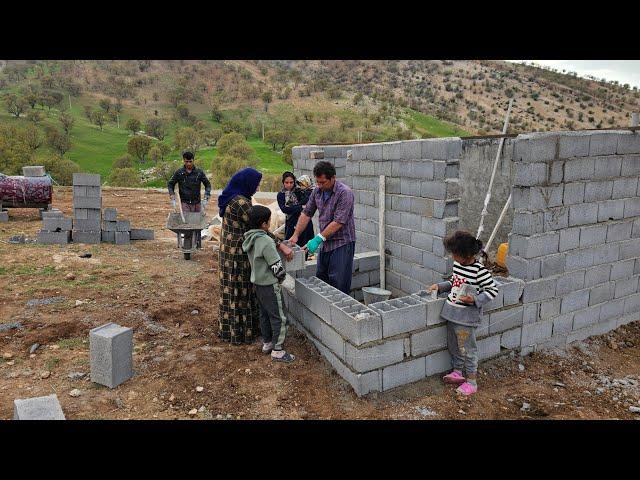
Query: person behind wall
x=337, y=238
x=292, y=200
x=189, y=177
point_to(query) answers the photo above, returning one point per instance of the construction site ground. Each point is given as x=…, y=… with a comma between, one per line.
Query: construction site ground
x=172, y=305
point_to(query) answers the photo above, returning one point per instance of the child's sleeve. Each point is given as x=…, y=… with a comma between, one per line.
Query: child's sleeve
x=274, y=261
x=487, y=288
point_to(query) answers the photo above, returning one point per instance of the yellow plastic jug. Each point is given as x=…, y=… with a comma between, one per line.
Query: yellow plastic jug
x=501, y=256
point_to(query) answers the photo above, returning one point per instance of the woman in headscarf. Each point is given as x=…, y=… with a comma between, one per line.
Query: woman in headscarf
x=239, y=315
x=292, y=199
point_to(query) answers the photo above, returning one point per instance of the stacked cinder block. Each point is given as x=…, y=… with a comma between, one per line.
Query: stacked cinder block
x=398, y=341
x=298, y=261
x=87, y=207
x=421, y=203
x=56, y=228
x=366, y=272
x=4, y=214
x=576, y=233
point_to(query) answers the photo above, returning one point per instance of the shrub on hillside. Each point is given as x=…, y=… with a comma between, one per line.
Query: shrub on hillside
x=224, y=166
x=286, y=153
x=124, y=177
x=124, y=161
x=61, y=169
x=165, y=170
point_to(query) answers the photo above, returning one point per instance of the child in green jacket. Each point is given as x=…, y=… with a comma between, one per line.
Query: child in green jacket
x=267, y=272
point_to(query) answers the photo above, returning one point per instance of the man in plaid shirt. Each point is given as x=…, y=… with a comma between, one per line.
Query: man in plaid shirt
x=336, y=241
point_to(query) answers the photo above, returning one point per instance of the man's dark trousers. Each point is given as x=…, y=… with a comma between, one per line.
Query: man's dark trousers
x=336, y=267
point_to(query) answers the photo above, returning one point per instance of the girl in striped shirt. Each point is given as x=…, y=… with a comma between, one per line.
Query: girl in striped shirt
x=470, y=287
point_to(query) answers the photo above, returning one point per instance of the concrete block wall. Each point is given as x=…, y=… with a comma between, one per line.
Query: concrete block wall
x=421, y=202
x=399, y=341
x=575, y=238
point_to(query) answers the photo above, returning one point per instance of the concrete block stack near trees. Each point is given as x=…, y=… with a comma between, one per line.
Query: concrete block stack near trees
x=90, y=223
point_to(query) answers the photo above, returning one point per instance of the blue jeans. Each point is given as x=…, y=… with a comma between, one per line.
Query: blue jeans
x=335, y=267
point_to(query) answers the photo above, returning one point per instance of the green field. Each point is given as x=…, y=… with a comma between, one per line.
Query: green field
x=434, y=127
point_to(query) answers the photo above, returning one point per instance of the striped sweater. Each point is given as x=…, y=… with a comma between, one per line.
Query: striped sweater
x=474, y=280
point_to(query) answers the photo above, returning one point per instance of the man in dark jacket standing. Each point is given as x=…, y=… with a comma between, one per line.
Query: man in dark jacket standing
x=188, y=179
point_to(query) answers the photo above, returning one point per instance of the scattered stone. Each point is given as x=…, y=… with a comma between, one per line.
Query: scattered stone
x=119, y=402
x=634, y=409
x=154, y=328
x=76, y=375
x=79, y=302
x=599, y=391
x=5, y=327
x=7, y=355
x=521, y=367
x=559, y=384
x=17, y=239
x=202, y=409
x=426, y=412
x=229, y=415
x=219, y=417
x=75, y=393
x=172, y=397
x=247, y=371
x=44, y=301
x=193, y=411
x=46, y=374
x=462, y=412
x=556, y=389
x=509, y=399
x=11, y=362
x=33, y=348
x=194, y=312
x=199, y=389
x=70, y=276
x=525, y=407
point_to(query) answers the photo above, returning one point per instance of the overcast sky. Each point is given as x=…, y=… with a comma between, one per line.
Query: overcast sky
x=625, y=71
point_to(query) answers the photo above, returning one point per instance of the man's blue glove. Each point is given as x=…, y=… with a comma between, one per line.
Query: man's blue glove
x=313, y=244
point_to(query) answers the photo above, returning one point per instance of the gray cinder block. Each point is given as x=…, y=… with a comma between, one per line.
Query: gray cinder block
x=609, y=210
x=580, y=169
x=123, y=225
x=38, y=408
x=54, y=213
x=401, y=315
x=86, y=225
x=109, y=226
x=403, y=373
x=93, y=192
x=87, y=202
x=355, y=322
x=505, y=319
x=123, y=238
x=603, y=143
x=89, y=237
x=54, y=238
x=628, y=142
x=584, y=318
x=575, y=144
x=109, y=214
x=630, y=165
x=429, y=340
x=536, y=333
x=57, y=224
x=607, y=167
x=511, y=338
x=111, y=349
x=583, y=214
x=437, y=362
x=488, y=347
x=529, y=174
x=108, y=237
x=86, y=213
x=570, y=282
x=376, y=356
x=537, y=290
x=523, y=269
x=598, y=191
x=592, y=235
x=619, y=231
x=622, y=269
x=147, y=234
x=33, y=171
x=86, y=179
x=624, y=187
x=4, y=216
x=574, y=301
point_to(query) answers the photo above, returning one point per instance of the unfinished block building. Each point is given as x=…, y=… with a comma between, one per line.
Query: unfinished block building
x=574, y=248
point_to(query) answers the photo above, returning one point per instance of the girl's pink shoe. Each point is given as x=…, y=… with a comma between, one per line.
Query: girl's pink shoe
x=453, y=377
x=467, y=389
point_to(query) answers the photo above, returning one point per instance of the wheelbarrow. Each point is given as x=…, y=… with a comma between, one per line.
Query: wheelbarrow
x=187, y=230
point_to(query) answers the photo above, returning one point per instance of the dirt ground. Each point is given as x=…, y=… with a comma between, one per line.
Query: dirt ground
x=171, y=304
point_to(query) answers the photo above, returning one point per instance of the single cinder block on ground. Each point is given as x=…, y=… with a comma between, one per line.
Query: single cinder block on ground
x=89, y=237
x=35, y=171
x=109, y=214
x=123, y=238
x=111, y=348
x=38, y=408
x=123, y=225
x=87, y=179
x=108, y=237
x=87, y=202
x=4, y=216
x=147, y=234
x=54, y=238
